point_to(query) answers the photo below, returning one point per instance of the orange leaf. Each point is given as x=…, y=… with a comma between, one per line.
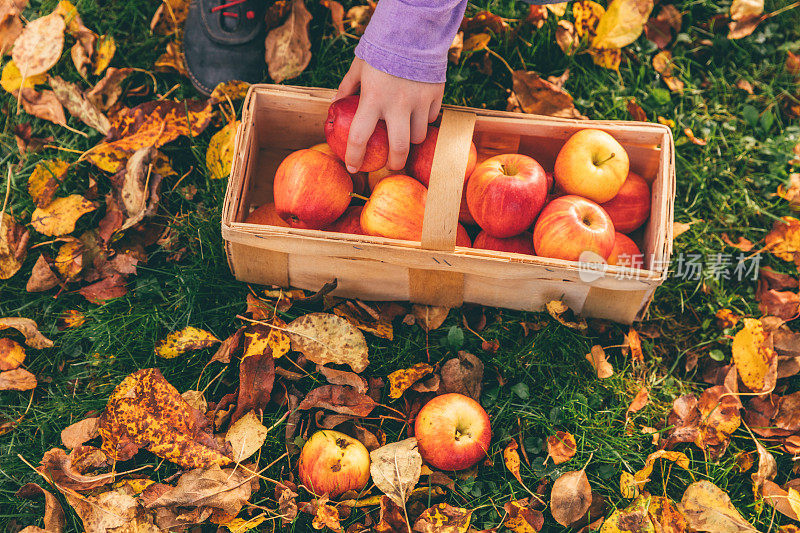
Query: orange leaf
x=561, y=447
x=511, y=459
x=401, y=380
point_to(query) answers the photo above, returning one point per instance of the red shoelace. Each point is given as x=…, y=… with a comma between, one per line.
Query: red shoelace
x=232, y=3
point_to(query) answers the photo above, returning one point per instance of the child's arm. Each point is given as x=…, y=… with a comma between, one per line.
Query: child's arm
x=400, y=69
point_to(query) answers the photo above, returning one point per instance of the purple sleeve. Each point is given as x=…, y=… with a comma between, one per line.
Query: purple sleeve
x=410, y=38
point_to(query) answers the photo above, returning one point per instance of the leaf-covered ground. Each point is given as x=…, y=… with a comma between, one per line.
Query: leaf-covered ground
x=740, y=104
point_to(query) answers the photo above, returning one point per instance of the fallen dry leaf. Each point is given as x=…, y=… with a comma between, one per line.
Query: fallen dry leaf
x=256, y=378
x=10, y=23
x=396, y=468
x=175, y=431
x=42, y=276
x=185, y=340
x=233, y=90
x=338, y=398
x=485, y=20
x=61, y=215
x=169, y=17
x=54, y=518
x=326, y=516
x=462, y=374
x=561, y=447
x=786, y=502
x=73, y=99
x=641, y=477
x=662, y=63
x=559, y=311
x=641, y=399
x=531, y=94
x=220, y=151
x=597, y=358
x=12, y=355
x=511, y=460
x=743, y=244
x=42, y=104
x=694, y=140
x=428, y=317
x=784, y=239
x=39, y=45
x=172, y=60
x=443, y=518
x=570, y=497
x=246, y=436
x=767, y=468
x=18, y=379
x=104, y=52
x=635, y=110
x=80, y=432
x=13, y=246
x=29, y=329
x=107, y=91
x=521, y=517
x=324, y=338
x=745, y=16
x=45, y=179
x=633, y=343
x=754, y=357
x=567, y=38
x=106, y=289
x=662, y=28
x=708, y=508
x=71, y=318
x=69, y=261
x=288, y=48
x=12, y=80
x=791, y=193
x=456, y=47
x=622, y=23
x=337, y=14
x=587, y=16
x=401, y=380
x=366, y=319
x=358, y=17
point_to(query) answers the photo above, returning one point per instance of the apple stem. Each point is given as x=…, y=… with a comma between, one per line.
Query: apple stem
x=360, y=197
x=606, y=160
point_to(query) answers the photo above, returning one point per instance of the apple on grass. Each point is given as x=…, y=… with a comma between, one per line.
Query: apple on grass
x=625, y=253
x=333, y=463
x=518, y=244
x=505, y=193
x=337, y=131
x=349, y=222
x=311, y=189
x=571, y=225
x=420, y=158
x=630, y=208
x=395, y=209
x=359, y=178
x=592, y=164
x=453, y=432
x=266, y=215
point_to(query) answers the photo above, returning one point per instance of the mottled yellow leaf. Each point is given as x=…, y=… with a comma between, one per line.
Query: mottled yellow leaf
x=45, y=179
x=187, y=339
x=401, y=380
x=61, y=215
x=622, y=23
x=12, y=80
x=220, y=151
x=12, y=354
x=103, y=53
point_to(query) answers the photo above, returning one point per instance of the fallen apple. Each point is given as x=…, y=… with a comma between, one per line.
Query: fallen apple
x=625, y=253
x=420, y=157
x=592, y=164
x=395, y=209
x=349, y=222
x=505, y=193
x=359, y=178
x=630, y=208
x=518, y=244
x=311, y=189
x=337, y=131
x=453, y=432
x=333, y=463
x=266, y=215
x=571, y=225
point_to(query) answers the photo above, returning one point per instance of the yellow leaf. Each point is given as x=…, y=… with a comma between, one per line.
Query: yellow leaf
x=752, y=354
x=13, y=246
x=234, y=89
x=521, y=518
x=622, y=23
x=401, y=380
x=476, y=42
x=609, y=58
x=103, y=53
x=380, y=327
x=784, y=239
x=69, y=261
x=627, y=485
x=220, y=151
x=12, y=354
x=511, y=459
x=597, y=358
x=258, y=338
x=558, y=9
x=632, y=519
x=45, y=179
x=11, y=79
x=240, y=525
x=708, y=508
x=61, y=215
x=180, y=342
x=443, y=518
x=643, y=476
x=587, y=15
x=794, y=501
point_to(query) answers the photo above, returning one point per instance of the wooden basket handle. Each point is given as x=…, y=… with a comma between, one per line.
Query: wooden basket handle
x=450, y=160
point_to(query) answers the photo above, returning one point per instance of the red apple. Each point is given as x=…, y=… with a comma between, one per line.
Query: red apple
x=592, y=164
x=462, y=237
x=359, y=178
x=550, y=181
x=349, y=222
x=630, y=208
x=420, y=158
x=333, y=463
x=337, y=130
x=373, y=178
x=453, y=432
x=311, y=189
x=571, y=225
x=505, y=193
x=518, y=244
x=464, y=216
x=395, y=209
x=625, y=253
x=266, y=215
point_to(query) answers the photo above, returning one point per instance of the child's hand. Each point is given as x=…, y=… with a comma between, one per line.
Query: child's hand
x=406, y=106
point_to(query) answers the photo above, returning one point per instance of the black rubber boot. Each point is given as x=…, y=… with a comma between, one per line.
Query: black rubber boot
x=224, y=40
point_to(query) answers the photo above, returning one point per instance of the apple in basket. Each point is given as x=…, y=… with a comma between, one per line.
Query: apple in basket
x=395, y=209
x=420, y=158
x=267, y=215
x=625, y=253
x=571, y=225
x=337, y=131
x=630, y=208
x=518, y=244
x=592, y=164
x=359, y=178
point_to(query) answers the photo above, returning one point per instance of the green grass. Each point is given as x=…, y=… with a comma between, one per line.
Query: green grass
x=726, y=186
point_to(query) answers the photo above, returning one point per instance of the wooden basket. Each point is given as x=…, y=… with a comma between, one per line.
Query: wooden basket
x=279, y=119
